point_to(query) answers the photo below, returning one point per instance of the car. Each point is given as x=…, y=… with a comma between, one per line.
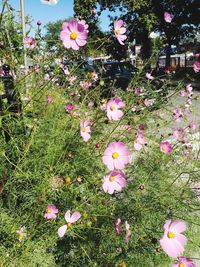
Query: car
x=118, y=74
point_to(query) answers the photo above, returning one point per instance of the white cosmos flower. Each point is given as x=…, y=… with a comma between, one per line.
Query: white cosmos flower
x=50, y=2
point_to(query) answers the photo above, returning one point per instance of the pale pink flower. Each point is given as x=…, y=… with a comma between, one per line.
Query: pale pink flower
x=182, y=93
x=116, y=156
x=85, y=84
x=37, y=68
x=93, y=11
x=94, y=76
x=72, y=79
x=138, y=90
x=192, y=125
x=189, y=89
x=139, y=141
x=187, y=112
x=177, y=114
x=128, y=232
x=74, y=34
x=70, y=219
x=133, y=108
x=49, y=99
x=114, y=107
x=173, y=242
x=29, y=42
x=181, y=135
x=118, y=226
x=46, y=77
x=114, y=181
x=51, y=212
x=39, y=22
x=165, y=147
x=168, y=17
x=149, y=76
x=184, y=262
x=22, y=233
x=85, y=130
x=119, y=30
x=148, y=102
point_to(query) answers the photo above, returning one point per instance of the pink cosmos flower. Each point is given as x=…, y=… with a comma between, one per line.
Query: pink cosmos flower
x=149, y=76
x=29, y=42
x=118, y=226
x=51, y=212
x=165, y=147
x=184, y=262
x=85, y=130
x=69, y=219
x=85, y=25
x=113, y=107
x=73, y=34
x=128, y=232
x=49, y=99
x=173, y=242
x=69, y=107
x=119, y=30
x=168, y=17
x=116, y=156
x=196, y=66
x=114, y=181
x=139, y=141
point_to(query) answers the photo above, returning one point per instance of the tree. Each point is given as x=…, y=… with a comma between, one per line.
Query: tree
x=144, y=16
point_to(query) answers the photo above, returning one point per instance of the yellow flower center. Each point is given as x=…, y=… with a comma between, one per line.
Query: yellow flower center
x=104, y=101
x=84, y=129
x=69, y=225
x=49, y=210
x=68, y=180
x=112, y=178
x=181, y=264
x=164, y=148
x=137, y=140
x=112, y=108
x=171, y=235
x=115, y=155
x=73, y=35
x=117, y=31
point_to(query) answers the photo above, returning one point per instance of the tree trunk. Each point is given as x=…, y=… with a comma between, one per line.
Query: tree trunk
x=168, y=55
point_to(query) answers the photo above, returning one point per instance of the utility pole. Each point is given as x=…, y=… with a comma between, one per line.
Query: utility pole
x=24, y=32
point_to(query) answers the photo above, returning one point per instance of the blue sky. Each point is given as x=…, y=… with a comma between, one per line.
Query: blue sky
x=46, y=13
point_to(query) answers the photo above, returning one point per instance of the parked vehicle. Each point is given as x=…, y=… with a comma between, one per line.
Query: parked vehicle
x=118, y=74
